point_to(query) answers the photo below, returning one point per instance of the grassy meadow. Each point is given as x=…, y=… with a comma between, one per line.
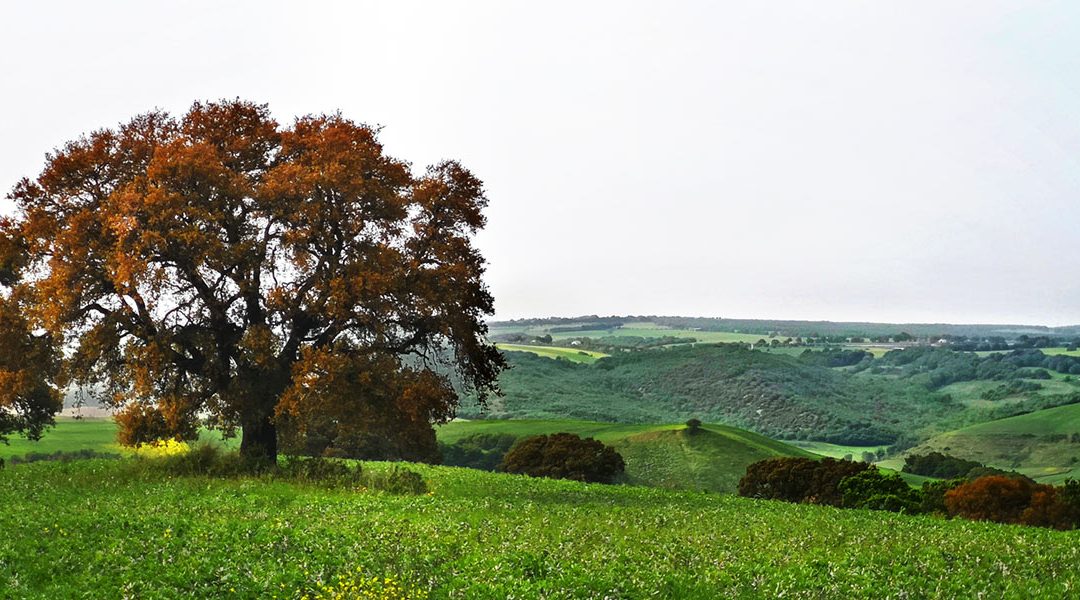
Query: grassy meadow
x=571, y=354
x=115, y=529
x=1044, y=444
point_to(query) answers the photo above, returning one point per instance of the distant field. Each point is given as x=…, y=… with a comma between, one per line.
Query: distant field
x=571, y=354
x=970, y=392
x=641, y=329
x=71, y=435
x=1046, y=351
x=1044, y=444
x=835, y=450
x=68, y=435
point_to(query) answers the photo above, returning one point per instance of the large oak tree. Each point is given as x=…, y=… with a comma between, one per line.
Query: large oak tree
x=220, y=265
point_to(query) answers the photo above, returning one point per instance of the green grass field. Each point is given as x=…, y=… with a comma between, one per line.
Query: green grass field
x=71, y=435
x=640, y=329
x=1044, y=444
x=571, y=354
x=713, y=459
x=68, y=435
x=102, y=529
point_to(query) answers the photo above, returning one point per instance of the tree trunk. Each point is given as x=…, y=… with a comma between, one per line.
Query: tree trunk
x=258, y=442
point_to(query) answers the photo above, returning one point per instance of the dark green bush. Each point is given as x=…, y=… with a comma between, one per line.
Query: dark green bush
x=564, y=456
x=799, y=479
x=62, y=456
x=398, y=480
x=874, y=490
x=325, y=471
x=478, y=451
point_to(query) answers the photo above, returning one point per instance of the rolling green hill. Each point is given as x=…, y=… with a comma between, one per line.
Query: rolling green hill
x=773, y=394
x=101, y=529
x=712, y=459
x=1044, y=444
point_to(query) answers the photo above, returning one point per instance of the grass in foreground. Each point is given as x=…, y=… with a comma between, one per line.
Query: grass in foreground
x=103, y=529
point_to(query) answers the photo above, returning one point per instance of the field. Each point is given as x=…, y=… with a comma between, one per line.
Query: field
x=571, y=354
x=713, y=459
x=640, y=329
x=68, y=435
x=71, y=435
x=106, y=529
x=1044, y=444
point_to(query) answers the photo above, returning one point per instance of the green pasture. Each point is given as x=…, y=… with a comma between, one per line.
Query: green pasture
x=1044, y=444
x=69, y=435
x=110, y=529
x=571, y=354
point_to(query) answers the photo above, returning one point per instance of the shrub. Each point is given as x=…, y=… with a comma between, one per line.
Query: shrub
x=478, y=451
x=872, y=489
x=61, y=456
x=992, y=498
x=207, y=460
x=693, y=426
x=799, y=479
x=936, y=464
x=564, y=456
x=320, y=470
x=1048, y=507
x=398, y=480
x=933, y=495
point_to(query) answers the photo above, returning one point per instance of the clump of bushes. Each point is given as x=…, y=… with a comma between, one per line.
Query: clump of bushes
x=1001, y=498
x=61, y=456
x=936, y=464
x=208, y=460
x=944, y=466
x=1012, y=388
x=874, y=490
x=483, y=451
x=803, y=480
x=564, y=456
x=1015, y=500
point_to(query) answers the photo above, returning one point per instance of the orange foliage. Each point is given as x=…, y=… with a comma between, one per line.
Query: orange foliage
x=224, y=265
x=1012, y=500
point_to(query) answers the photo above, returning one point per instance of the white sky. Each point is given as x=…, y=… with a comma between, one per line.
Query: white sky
x=881, y=161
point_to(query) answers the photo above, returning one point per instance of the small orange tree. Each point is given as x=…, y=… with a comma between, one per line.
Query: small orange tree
x=222, y=265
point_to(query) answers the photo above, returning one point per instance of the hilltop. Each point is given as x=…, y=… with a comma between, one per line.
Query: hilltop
x=712, y=459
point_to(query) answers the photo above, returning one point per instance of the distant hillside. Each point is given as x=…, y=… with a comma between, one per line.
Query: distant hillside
x=788, y=327
x=712, y=459
x=772, y=394
x=1043, y=444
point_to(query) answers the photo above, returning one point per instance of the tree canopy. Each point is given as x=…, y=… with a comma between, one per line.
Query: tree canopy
x=223, y=266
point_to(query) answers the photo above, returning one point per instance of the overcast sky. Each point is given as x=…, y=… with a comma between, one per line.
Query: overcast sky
x=881, y=161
